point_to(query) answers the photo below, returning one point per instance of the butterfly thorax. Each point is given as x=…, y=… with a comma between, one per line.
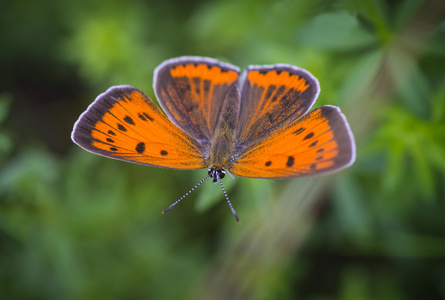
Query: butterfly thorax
x=221, y=149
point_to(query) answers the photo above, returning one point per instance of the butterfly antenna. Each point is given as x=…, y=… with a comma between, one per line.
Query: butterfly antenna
x=186, y=194
x=228, y=201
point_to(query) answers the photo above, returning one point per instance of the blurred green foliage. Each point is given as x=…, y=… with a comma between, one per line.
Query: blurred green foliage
x=77, y=226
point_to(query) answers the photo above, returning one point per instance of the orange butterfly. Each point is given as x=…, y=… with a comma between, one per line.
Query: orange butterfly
x=256, y=125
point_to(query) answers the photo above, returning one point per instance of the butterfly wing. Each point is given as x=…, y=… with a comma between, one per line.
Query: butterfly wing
x=123, y=123
x=272, y=98
x=320, y=142
x=191, y=91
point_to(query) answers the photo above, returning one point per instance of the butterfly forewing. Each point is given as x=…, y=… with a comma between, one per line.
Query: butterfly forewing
x=272, y=98
x=191, y=91
x=320, y=142
x=123, y=123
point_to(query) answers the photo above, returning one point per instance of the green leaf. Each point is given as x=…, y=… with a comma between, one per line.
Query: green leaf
x=336, y=31
x=351, y=211
x=415, y=93
x=423, y=171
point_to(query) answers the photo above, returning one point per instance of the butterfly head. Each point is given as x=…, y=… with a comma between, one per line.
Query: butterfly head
x=216, y=174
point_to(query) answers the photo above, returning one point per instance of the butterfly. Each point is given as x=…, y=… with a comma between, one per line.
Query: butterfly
x=256, y=124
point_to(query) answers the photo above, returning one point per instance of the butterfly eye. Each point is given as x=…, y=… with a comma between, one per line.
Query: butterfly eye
x=222, y=174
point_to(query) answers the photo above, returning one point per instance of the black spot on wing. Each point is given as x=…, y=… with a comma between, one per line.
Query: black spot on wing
x=147, y=116
x=144, y=117
x=313, y=144
x=299, y=130
x=129, y=120
x=290, y=161
x=268, y=163
x=163, y=152
x=121, y=127
x=309, y=136
x=140, y=148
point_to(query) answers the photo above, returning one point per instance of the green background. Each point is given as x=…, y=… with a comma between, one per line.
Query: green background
x=74, y=225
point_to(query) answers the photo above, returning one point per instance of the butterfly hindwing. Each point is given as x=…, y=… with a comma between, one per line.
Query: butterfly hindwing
x=123, y=123
x=191, y=91
x=319, y=142
x=273, y=97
